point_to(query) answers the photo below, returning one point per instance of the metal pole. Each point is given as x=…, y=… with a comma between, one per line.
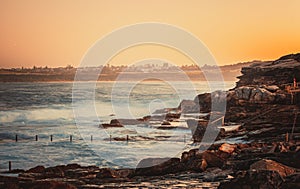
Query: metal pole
x=9, y=165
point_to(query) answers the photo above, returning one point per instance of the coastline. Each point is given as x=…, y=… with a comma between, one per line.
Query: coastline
x=269, y=157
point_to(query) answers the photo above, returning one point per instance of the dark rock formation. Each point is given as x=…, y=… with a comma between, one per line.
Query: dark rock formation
x=113, y=123
x=276, y=72
x=254, y=180
x=266, y=164
x=157, y=166
x=291, y=182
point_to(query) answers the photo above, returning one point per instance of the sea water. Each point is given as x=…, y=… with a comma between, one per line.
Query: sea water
x=45, y=109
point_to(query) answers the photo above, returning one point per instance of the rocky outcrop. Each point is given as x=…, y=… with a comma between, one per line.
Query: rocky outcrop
x=267, y=164
x=260, y=94
x=157, y=166
x=206, y=100
x=113, y=123
x=254, y=180
x=276, y=72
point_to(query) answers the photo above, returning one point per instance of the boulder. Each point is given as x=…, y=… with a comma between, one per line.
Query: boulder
x=212, y=159
x=195, y=164
x=105, y=173
x=266, y=164
x=189, y=106
x=271, y=88
x=256, y=179
x=157, y=166
x=228, y=148
x=255, y=94
x=217, y=98
x=244, y=92
x=113, y=123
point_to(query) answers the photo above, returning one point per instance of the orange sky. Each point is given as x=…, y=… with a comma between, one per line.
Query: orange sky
x=58, y=32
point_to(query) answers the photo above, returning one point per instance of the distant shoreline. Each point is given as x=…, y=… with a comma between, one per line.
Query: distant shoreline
x=229, y=73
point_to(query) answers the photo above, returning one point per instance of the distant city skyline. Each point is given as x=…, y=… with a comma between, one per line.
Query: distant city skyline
x=58, y=33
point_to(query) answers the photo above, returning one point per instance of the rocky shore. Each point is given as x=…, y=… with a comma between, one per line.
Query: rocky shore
x=267, y=157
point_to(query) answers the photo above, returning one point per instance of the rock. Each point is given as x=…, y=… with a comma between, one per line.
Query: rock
x=195, y=164
x=255, y=94
x=189, y=106
x=37, y=169
x=184, y=157
x=48, y=184
x=228, y=148
x=201, y=128
x=262, y=179
x=132, y=121
x=271, y=88
x=9, y=182
x=105, y=173
x=266, y=164
x=158, y=166
x=166, y=123
x=113, y=123
x=244, y=92
x=172, y=116
x=212, y=159
x=216, y=175
x=205, y=100
x=276, y=72
x=291, y=182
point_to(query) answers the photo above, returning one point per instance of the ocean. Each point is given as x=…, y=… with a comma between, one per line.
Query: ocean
x=45, y=109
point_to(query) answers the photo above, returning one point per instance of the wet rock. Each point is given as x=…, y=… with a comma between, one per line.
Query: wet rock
x=157, y=166
x=105, y=173
x=262, y=179
x=216, y=175
x=201, y=129
x=133, y=121
x=212, y=159
x=113, y=123
x=48, y=184
x=266, y=164
x=184, y=157
x=291, y=182
x=195, y=164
